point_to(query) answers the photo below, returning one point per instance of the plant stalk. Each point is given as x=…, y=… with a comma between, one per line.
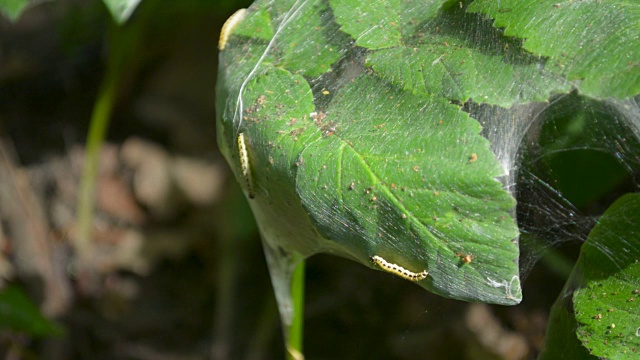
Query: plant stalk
x=123, y=41
x=295, y=338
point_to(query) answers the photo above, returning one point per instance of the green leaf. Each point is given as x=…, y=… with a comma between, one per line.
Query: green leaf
x=308, y=46
x=371, y=185
x=275, y=126
x=349, y=163
x=257, y=25
x=378, y=24
x=121, y=10
x=607, y=307
x=462, y=73
x=461, y=57
x=391, y=167
x=601, y=319
x=594, y=43
x=298, y=36
x=560, y=340
x=19, y=314
x=14, y=8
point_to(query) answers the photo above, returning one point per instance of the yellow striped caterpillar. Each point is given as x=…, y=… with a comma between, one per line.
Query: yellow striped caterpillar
x=228, y=27
x=244, y=164
x=398, y=270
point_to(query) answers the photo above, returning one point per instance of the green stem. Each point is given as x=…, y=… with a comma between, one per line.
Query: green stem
x=97, y=131
x=295, y=338
x=122, y=43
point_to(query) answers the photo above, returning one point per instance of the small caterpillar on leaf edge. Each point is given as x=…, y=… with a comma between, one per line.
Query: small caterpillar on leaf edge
x=398, y=270
x=244, y=164
x=228, y=27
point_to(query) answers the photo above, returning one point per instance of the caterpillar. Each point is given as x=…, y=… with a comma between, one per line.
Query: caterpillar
x=228, y=27
x=398, y=270
x=244, y=164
